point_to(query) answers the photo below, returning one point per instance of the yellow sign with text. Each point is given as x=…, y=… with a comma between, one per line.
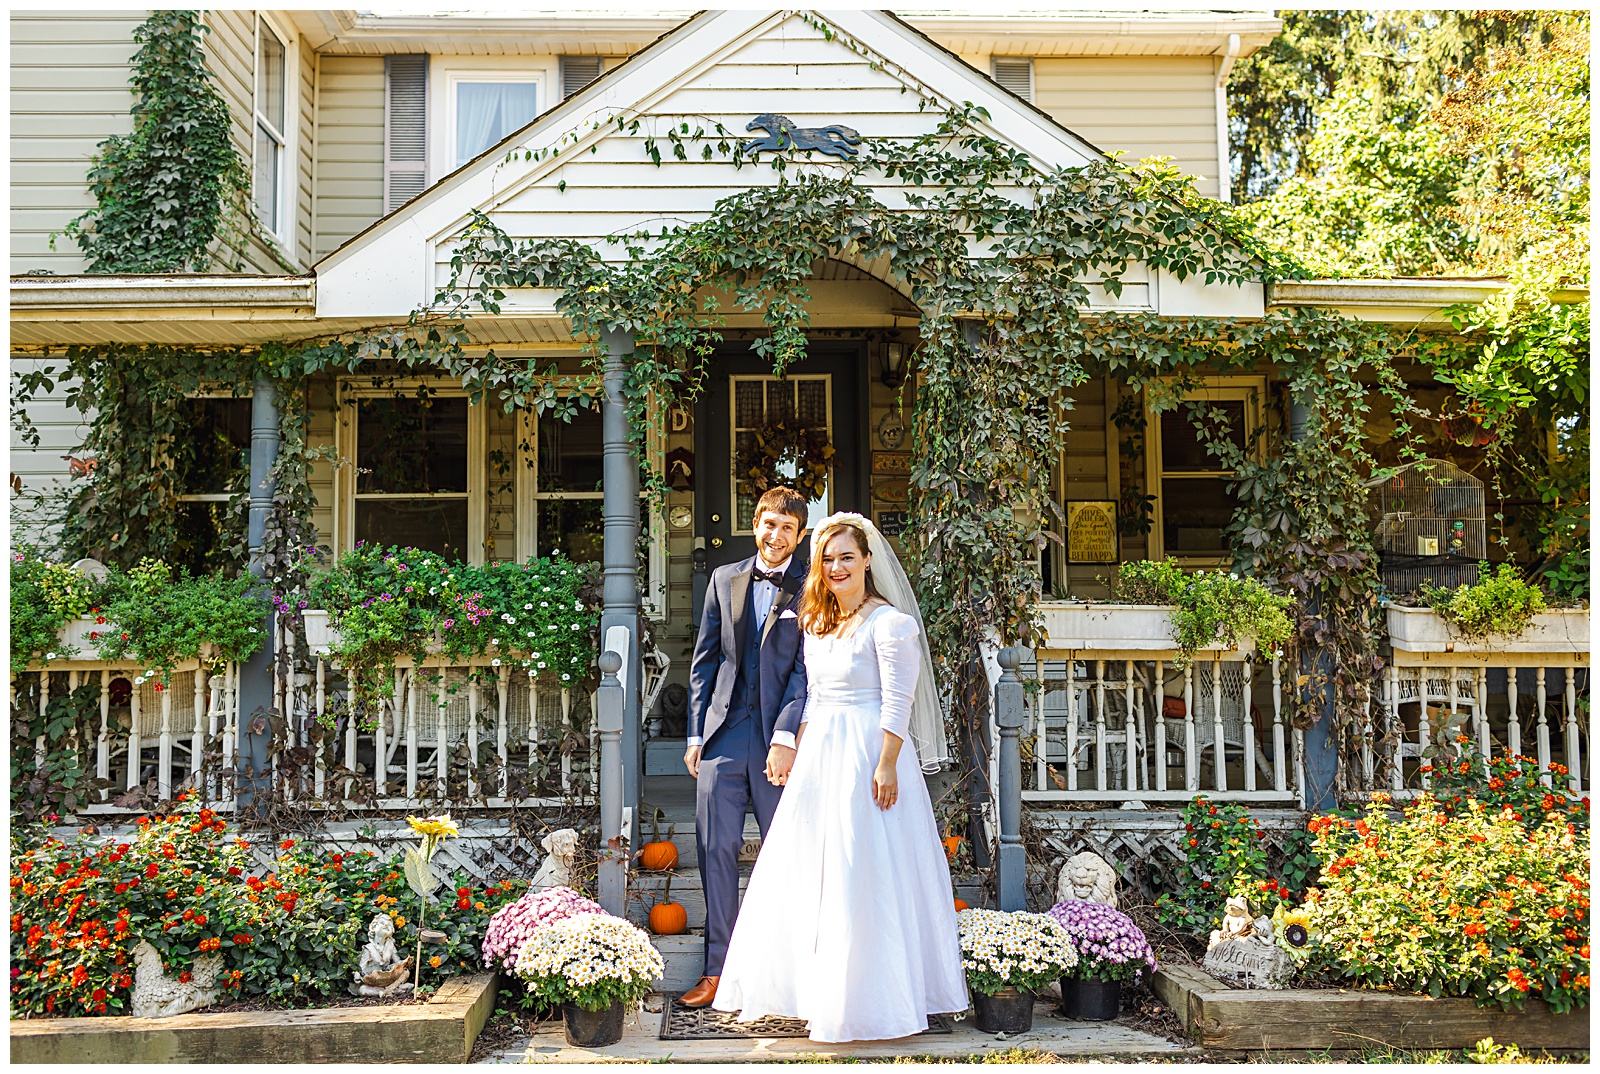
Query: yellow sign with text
x=1092, y=531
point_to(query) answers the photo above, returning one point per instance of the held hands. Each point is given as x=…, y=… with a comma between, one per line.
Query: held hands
x=691, y=761
x=885, y=786
x=779, y=760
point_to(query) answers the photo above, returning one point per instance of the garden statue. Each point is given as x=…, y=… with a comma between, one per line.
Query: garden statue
x=157, y=996
x=1087, y=877
x=383, y=972
x=556, y=872
x=1243, y=951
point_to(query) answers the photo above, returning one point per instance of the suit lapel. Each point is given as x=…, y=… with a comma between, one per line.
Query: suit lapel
x=739, y=598
x=786, y=595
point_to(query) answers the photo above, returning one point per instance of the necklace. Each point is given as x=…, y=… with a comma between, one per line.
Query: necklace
x=844, y=616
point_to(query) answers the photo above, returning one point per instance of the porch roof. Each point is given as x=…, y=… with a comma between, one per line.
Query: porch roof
x=243, y=310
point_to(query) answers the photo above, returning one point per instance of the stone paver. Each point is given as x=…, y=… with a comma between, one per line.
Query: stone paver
x=641, y=1042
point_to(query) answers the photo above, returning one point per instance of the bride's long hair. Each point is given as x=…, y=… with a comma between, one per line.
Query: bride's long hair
x=820, y=613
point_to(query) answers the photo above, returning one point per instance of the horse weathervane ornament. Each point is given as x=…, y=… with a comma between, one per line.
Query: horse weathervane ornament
x=835, y=140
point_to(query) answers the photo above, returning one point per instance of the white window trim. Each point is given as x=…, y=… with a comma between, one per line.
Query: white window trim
x=1249, y=390
x=289, y=159
x=347, y=446
x=447, y=72
x=653, y=589
x=213, y=497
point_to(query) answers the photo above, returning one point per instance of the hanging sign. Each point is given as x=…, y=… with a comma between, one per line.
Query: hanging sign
x=1091, y=531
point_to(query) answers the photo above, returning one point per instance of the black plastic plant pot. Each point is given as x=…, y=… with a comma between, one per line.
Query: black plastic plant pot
x=1009, y=1010
x=1090, y=1000
x=592, y=1029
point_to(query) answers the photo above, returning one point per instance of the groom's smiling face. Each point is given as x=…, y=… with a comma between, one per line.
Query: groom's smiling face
x=777, y=536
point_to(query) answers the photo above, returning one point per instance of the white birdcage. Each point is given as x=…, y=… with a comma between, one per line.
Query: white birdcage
x=1431, y=526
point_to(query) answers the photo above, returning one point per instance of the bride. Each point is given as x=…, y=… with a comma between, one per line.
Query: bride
x=848, y=921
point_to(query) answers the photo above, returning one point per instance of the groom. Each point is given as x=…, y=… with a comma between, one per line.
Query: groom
x=747, y=691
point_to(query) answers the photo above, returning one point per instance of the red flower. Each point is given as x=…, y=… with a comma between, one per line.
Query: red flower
x=185, y=977
x=463, y=904
x=463, y=892
x=286, y=844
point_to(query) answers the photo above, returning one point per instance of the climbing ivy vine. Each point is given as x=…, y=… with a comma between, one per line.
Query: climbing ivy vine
x=164, y=192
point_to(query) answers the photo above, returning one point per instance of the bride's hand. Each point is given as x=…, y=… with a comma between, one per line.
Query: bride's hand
x=885, y=786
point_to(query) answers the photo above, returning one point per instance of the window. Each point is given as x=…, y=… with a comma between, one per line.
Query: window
x=413, y=482
x=1193, y=504
x=1015, y=75
x=272, y=113
x=759, y=400
x=486, y=108
x=211, y=469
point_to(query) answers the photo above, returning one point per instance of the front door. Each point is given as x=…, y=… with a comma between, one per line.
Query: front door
x=824, y=392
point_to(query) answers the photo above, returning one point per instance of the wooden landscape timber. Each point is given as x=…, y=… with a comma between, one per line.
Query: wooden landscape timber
x=1221, y=1018
x=439, y=1031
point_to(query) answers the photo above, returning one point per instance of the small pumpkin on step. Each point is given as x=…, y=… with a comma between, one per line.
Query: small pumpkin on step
x=668, y=918
x=659, y=855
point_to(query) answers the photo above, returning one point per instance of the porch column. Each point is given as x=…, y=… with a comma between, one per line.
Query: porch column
x=255, y=676
x=620, y=558
x=1008, y=714
x=1321, y=751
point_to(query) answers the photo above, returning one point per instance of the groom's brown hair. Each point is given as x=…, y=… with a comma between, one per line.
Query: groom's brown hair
x=783, y=501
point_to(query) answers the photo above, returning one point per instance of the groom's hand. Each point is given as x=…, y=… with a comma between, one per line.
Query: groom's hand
x=779, y=760
x=691, y=761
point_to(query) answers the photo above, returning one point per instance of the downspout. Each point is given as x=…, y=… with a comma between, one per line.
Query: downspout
x=1224, y=184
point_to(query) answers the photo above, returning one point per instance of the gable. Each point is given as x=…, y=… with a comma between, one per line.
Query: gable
x=865, y=70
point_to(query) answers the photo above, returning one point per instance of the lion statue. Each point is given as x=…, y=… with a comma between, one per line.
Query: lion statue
x=1087, y=877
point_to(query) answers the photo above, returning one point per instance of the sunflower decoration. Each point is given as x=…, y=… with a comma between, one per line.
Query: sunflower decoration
x=785, y=440
x=1292, y=930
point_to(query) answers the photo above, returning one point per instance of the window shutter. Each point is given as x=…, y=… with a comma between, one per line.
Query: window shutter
x=405, y=129
x=577, y=72
x=1015, y=75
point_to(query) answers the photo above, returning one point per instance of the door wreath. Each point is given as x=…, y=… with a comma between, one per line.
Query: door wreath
x=785, y=440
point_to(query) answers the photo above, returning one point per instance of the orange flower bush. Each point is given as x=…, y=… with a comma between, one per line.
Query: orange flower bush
x=1474, y=903
x=290, y=931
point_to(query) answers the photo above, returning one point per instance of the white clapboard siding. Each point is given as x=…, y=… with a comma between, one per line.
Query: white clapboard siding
x=1145, y=106
x=42, y=469
x=349, y=189
x=69, y=90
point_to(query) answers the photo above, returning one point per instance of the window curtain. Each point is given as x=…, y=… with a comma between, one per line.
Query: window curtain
x=488, y=111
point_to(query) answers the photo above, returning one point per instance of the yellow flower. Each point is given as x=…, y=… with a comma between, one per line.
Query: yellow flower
x=435, y=826
x=399, y=922
x=434, y=961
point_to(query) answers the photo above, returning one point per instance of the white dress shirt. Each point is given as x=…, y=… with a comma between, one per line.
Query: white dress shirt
x=763, y=596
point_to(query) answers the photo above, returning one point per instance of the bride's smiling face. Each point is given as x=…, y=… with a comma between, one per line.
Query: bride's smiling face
x=844, y=568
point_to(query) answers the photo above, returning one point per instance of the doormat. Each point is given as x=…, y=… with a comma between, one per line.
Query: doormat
x=702, y=1023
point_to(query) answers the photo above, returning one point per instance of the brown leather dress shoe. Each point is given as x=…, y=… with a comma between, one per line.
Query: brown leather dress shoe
x=701, y=995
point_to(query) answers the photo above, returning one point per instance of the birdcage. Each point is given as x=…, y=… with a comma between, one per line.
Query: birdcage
x=1431, y=526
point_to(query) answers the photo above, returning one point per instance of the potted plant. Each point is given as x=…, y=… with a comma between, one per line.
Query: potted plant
x=1159, y=608
x=511, y=926
x=593, y=966
x=1009, y=957
x=49, y=602
x=1500, y=613
x=1111, y=949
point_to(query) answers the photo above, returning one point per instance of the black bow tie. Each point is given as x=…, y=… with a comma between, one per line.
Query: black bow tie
x=775, y=577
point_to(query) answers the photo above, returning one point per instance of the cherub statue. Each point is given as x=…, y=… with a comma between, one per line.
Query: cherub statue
x=157, y=996
x=556, y=870
x=383, y=972
x=1236, y=921
x=1089, y=878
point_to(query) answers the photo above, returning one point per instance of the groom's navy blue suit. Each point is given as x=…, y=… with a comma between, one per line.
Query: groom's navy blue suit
x=745, y=683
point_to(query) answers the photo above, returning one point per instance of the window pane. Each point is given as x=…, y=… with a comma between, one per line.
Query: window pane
x=209, y=538
x=215, y=456
x=1193, y=512
x=571, y=453
x=268, y=154
x=431, y=525
x=571, y=526
x=269, y=79
x=412, y=445
x=1182, y=448
x=488, y=111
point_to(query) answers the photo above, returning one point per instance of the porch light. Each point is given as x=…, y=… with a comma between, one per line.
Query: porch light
x=894, y=359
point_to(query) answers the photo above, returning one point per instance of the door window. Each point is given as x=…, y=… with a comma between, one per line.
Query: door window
x=757, y=401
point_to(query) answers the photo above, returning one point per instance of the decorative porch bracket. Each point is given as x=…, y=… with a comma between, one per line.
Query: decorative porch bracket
x=255, y=675
x=613, y=878
x=620, y=566
x=1009, y=716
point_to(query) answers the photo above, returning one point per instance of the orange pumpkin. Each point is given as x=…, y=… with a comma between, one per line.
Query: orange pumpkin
x=961, y=904
x=659, y=855
x=952, y=846
x=668, y=918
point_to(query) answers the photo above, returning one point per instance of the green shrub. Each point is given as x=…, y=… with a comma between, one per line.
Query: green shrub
x=1499, y=603
x=1210, y=610
x=1460, y=777
x=1471, y=904
x=161, y=621
x=44, y=596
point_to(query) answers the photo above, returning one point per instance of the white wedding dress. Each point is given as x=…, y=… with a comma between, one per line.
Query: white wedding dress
x=849, y=920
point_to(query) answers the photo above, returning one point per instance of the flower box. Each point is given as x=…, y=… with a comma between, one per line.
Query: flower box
x=75, y=632
x=1423, y=630
x=1080, y=625
x=320, y=635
